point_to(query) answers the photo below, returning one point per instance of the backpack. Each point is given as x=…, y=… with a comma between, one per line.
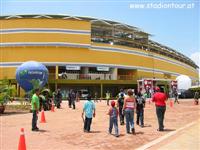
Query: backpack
x=121, y=101
x=140, y=100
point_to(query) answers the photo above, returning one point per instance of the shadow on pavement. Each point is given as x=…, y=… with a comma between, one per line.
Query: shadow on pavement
x=95, y=132
x=13, y=113
x=118, y=136
x=147, y=125
x=42, y=130
x=168, y=130
x=139, y=132
x=122, y=135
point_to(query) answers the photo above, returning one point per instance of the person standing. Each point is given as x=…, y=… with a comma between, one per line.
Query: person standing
x=77, y=96
x=129, y=106
x=73, y=98
x=145, y=95
x=35, y=105
x=96, y=97
x=140, y=101
x=58, y=98
x=159, y=98
x=196, y=97
x=176, y=97
x=120, y=104
x=113, y=113
x=89, y=111
x=69, y=99
x=108, y=97
x=121, y=91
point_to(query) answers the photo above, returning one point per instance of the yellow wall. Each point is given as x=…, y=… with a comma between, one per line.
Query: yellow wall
x=133, y=49
x=45, y=23
x=154, y=63
x=63, y=54
x=83, y=55
x=7, y=73
x=143, y=74
x=46, y=37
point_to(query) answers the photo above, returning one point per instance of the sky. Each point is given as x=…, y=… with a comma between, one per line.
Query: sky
x=174, y=23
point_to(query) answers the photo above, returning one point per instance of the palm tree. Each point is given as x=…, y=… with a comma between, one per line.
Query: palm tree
x=6, y=93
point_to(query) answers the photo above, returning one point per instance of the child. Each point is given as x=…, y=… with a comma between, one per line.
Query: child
x=113, y=113
x=120, y=105
x=140, y=101
x=89, y=110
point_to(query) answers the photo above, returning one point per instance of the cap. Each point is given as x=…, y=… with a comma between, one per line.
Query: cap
x=113, y=103
x=157, y=89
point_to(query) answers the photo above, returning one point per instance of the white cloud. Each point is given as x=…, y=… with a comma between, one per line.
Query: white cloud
x=196, y=58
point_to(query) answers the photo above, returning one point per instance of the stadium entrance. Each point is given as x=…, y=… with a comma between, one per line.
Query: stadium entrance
x=147, y=85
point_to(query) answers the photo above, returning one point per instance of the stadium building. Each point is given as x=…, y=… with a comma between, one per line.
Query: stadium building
x=88, y=53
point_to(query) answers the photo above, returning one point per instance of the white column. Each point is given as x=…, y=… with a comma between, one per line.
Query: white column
x=114, y=74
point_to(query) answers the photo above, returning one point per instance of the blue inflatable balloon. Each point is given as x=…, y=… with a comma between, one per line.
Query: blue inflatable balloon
x=31, y=75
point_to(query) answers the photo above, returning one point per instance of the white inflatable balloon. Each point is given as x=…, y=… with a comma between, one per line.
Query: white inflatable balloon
x=184, y=82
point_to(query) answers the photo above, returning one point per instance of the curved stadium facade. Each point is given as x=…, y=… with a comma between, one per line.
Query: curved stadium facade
x=84, y=52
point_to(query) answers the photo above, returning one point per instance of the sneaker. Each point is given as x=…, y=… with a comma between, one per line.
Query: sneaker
x=133, y=130
x=142, y=126
x=160, y=130
x=117, y=135
x=35, y=129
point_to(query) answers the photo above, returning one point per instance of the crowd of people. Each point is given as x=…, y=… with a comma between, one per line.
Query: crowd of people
x=126, y=105
x=124, y=108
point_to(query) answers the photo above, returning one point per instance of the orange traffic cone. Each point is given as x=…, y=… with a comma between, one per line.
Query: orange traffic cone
x=171, y=103
x=43, y=120
x=52, y=107
x=22, y=143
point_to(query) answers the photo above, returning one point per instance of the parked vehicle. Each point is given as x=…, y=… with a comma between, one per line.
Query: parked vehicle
x=185, y=93
x=83, y=93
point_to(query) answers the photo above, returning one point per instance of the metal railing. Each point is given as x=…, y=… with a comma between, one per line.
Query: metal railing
x=125, y=77
x=91, y=76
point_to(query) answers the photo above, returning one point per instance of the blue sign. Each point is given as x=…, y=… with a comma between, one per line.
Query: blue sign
x=31, y=75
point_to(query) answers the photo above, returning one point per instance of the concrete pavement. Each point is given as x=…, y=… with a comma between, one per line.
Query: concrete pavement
x=189, y=139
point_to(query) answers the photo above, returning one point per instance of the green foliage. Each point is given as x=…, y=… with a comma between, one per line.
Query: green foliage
x=6, y=91
x=35, y=83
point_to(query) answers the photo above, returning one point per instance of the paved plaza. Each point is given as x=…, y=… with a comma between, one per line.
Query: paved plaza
x=64, y=129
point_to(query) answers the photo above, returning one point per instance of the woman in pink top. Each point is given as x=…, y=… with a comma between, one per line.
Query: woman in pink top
x=129, y=106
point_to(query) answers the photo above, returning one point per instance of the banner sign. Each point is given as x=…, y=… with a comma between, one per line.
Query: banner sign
x=73, y=67
x=103, y=68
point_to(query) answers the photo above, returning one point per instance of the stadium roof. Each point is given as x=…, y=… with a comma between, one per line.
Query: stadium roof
x=91, y=19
